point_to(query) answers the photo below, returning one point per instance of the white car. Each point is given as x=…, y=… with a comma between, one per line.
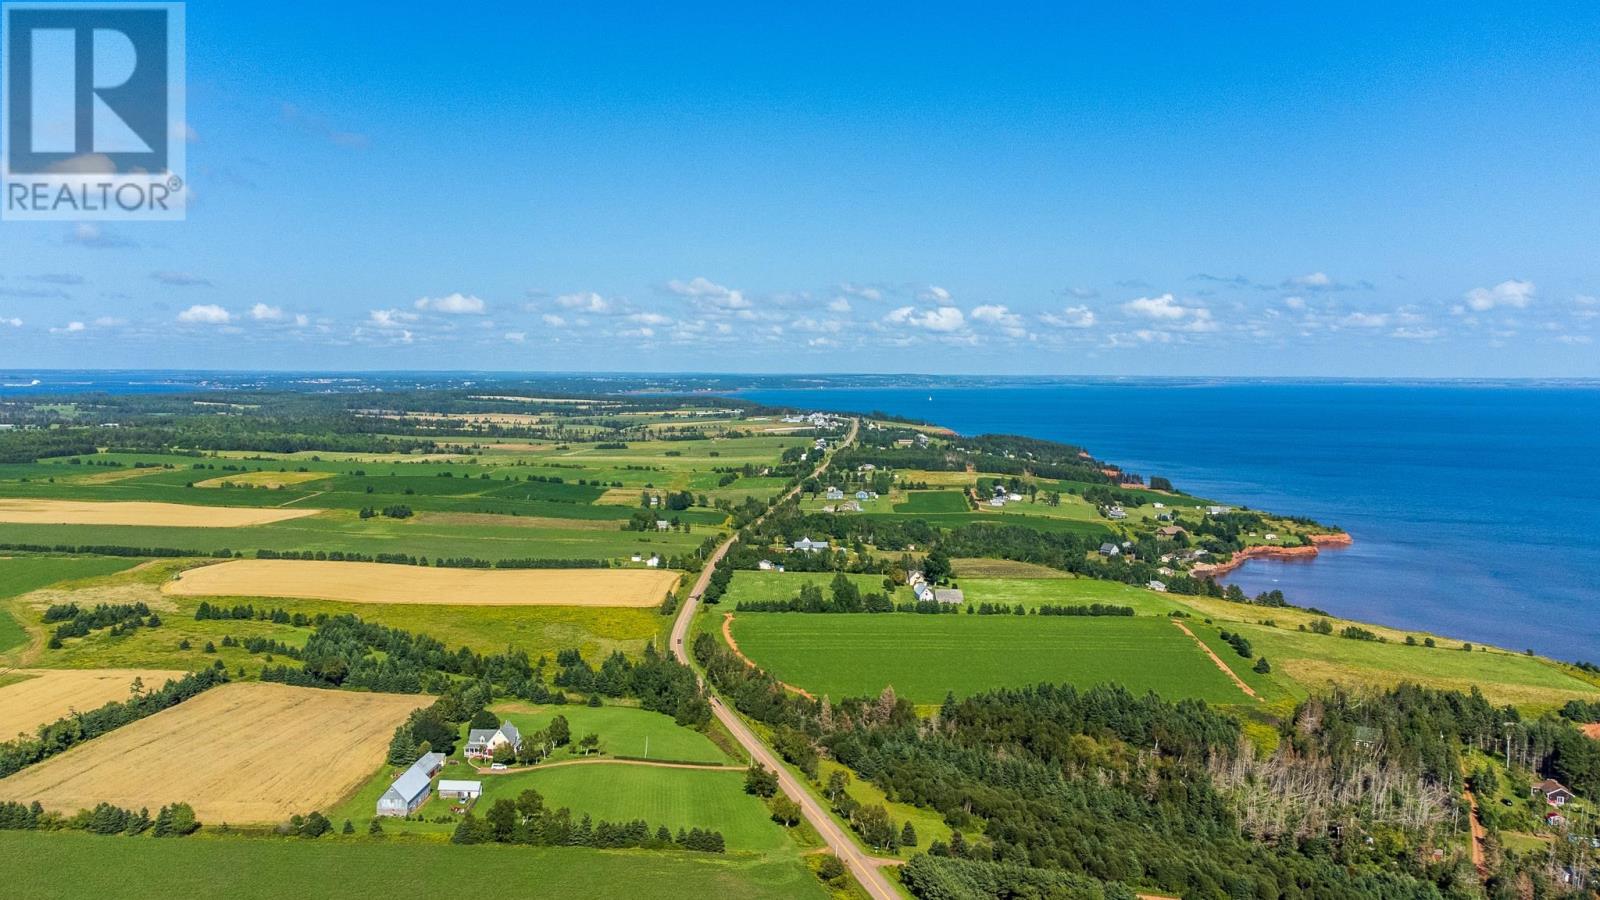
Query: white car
x=497, y=767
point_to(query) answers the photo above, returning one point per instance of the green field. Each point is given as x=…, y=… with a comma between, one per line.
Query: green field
x=538, y=630
x=619, y=791
x=925, y=656
x=1033, y=592
x=19, y=575
x=345, y=532
x=72, y=866
x=748, y=585
x=917, y=502
x=624, y=731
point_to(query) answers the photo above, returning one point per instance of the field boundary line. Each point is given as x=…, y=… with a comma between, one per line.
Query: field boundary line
x=301, y=497
x=1249, y=691
x=727, y=635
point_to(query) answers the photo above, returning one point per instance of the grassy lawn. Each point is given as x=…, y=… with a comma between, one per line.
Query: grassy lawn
x=66, y=866
x=676, y=798
x=924, y=656
x=1033, y=592
x=972, y=567
x=932, y=502
x=785, y=585
x=624, y=731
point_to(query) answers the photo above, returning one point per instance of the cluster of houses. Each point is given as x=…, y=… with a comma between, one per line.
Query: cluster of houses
x=925, y=592
x=413, y=786
x=653, y=562
x=848, y=505
x=920, y=441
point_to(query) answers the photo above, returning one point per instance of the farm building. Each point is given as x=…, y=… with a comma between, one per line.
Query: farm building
x=807, y=545
x=410, y=790
x=922, y=590
x=1116, y=512
x=483, y=742
x=460, y=790
x=835, y=494
x=1170, y=531
x=1109, y=549
x=863, y=495
x=948, y=595
x=765, y=565
x=1553, y=791
x=1157, y=586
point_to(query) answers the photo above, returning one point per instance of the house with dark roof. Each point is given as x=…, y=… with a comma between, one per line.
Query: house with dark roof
x=1554, y=792
x=483, y=742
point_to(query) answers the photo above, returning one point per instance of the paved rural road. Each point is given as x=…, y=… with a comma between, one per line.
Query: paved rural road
x=864, y=866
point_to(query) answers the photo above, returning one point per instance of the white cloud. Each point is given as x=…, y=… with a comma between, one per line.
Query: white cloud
x=109, y=322
x=69, y=328
x=390, y=318
x=553, y=320
x=14, y=322
x=301, y=320
x=1575, y=339
x=1314, y=281
x=516, y=337
x=1415, y=334
x=650, y=319
x=944, y=319
x=454, y=304
x=1296, y=303
x=998, y=316
x=935, y=293
x=205, y=314
x=839, y=305
x=1365, y=320
x=261, y=312
x=1512, y=293
x=709, y=292
x=1071, y=317
x=1162, y=307
x=587, y=302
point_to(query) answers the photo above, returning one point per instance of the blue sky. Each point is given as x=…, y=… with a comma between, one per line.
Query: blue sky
x=1353, y=190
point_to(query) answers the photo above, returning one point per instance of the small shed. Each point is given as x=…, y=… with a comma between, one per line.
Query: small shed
x=454, y=789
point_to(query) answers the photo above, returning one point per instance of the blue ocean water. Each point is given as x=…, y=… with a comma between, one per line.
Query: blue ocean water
x=1474, y=508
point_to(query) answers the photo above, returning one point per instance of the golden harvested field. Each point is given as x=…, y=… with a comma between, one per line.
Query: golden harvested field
x=263, y=479
x=239, y=753
x=50, y=694
x=387, y=583
x=87, y=512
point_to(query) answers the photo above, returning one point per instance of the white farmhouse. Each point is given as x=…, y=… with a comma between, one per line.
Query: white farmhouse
x=483, y=742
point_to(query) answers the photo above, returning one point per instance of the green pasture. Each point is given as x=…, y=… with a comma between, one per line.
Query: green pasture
x=624, y=731
x=67, y=866
x=19, y=575
x=677, y=798
x=920, y=502
x=752, y=586
x=926, y=656
x=1035, y=592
